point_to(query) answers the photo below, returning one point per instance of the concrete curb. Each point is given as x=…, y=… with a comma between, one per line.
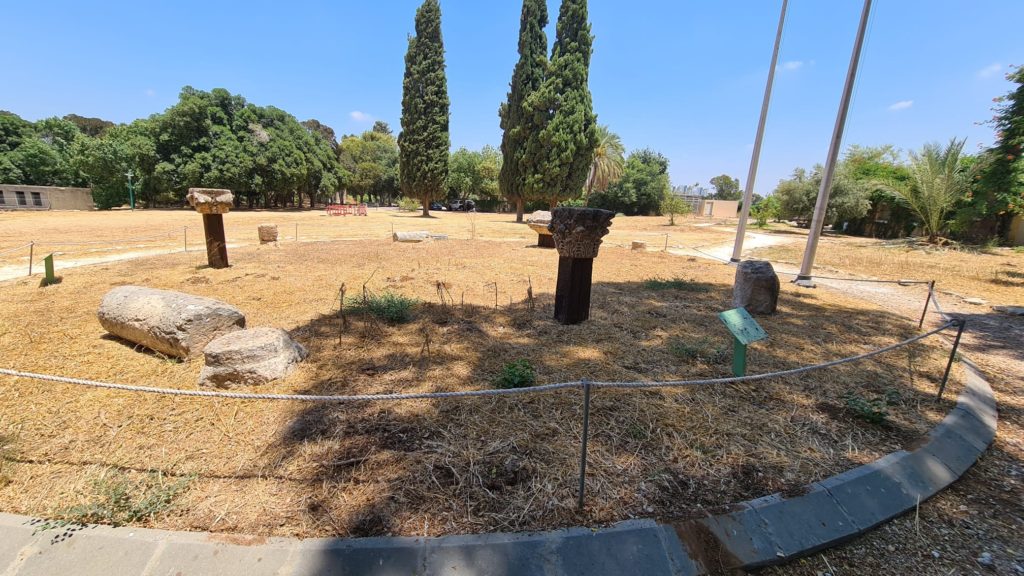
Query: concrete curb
x=776, y=529
x=769, y=530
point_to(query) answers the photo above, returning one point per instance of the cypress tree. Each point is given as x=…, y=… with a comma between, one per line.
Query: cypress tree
x=424, y=141
x=526, y=77
x=563, y=127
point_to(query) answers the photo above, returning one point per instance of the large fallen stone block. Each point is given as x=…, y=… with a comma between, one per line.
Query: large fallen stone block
x=250, y=357
x=756, y=287
x=168, y=322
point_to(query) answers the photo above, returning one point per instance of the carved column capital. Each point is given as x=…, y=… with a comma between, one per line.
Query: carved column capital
x=578, y=231
x=211, y=200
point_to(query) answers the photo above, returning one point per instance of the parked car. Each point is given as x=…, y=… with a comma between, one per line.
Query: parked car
x=462, y=206
x=437, y=206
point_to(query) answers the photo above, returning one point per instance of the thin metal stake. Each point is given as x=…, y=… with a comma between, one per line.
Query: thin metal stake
x=583, y=450
x=931, y=290
x=31, y=252
x=186, y=238
x=296, y=231
x=952, y=356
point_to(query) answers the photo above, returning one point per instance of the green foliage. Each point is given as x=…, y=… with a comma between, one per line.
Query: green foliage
x=408, y=204
x=938, y=181
x=424, y=141
x=91, y=127
x=659, y=284
x=562, y=127
x=798, y=194
x=516, y=374
x=6, y=455
x=474, y=174
x=608, y=163
x=874, y=409
x=389, y=307
x=642, y=188
x=726, y=187
x=699, y=350
x=117, y=500
x=526, y=78
x=768, y=208
x=371, y=164
x=673, y=205
x=38, y=154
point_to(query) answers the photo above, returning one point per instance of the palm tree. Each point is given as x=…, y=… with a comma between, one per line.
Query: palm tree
x=606, y=167
x=938, y=180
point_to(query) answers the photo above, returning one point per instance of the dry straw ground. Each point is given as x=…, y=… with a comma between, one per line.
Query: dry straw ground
x=442, y=467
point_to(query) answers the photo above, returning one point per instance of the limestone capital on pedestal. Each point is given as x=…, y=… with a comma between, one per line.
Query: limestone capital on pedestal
x=578, y=231
x=211, y=200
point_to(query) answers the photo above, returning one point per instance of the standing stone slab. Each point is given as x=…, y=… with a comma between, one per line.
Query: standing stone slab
x=168, y=322
x=268, y=233
x=250, y=357
x=756, y=287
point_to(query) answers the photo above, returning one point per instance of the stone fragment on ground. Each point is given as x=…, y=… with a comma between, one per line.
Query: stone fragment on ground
x=756, y=287
x=974, y=301
x=1011, y=310
x=250, y=357
x=268, y=233
x=172, y=323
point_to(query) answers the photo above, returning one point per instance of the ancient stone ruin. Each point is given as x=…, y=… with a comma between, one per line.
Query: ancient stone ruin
x=538, y=222
x=268, y=233
x=168, y=322
x=213, y=203
x=577, y=233
x=250, y=357
x=756, y=287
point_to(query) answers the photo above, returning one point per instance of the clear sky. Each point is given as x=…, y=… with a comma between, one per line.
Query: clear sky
x=683, y=77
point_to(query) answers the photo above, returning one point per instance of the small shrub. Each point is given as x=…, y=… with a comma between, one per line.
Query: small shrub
x=573, y=203
x=117, y=501
x=698, y=351
x=408, y=204
x=875, y=409
x=389, y=307
x=516, y=374
x=1018, y=249
x=675, y=284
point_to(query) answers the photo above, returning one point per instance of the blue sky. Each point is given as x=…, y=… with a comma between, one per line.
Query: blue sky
x=682, y=77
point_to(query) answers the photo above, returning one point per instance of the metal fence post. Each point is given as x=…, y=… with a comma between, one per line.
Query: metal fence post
x=186, y=238
x=583, y=449
x=960, y=323
x=31, y=255
x=931, y=290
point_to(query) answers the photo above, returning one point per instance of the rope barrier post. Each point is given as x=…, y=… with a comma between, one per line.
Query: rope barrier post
x=959, y=323
x=186, y=238
x=296, y=231
x=583, y=449
x=931, y=290
x=666, y=243
x=31, y=255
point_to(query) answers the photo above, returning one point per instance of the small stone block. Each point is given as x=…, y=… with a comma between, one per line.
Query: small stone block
x=638, y=246
x=381, y=556
x=621, y=549
x=922, y=474
x=212, y=558
x=869, y=495
x=728, y=541
x=955, y=451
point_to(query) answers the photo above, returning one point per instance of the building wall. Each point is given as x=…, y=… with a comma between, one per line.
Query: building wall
x=718, y=208
x=45, y=198
x=1016, y=232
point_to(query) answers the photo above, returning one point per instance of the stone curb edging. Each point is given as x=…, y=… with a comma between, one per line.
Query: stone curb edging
x=770, y=530
x=775, y=529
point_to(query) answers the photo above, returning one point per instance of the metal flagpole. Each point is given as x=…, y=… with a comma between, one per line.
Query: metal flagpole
x=748, y=193
x=818, y=221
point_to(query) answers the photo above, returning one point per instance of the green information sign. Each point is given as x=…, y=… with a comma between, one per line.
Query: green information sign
x=745, y=330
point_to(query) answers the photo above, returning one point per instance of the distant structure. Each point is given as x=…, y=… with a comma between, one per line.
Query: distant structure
x=21, y=197
x=702, y=204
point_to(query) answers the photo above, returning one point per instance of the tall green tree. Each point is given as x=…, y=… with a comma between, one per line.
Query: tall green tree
x=608, y=161
x=474, y=174
x=371, y=164
x=798, y=194
x=424, y=141
x=938, y=181
x=527, y=76
x=641, y=190
x=562, y=131
x=998, y=194
x=726, y=187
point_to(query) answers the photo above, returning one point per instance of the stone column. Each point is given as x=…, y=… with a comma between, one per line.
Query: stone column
x=213, y=203
x=539, y=222
x=577, y=233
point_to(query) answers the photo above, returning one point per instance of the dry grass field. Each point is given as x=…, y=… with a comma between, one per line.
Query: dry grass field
x=438, y=467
